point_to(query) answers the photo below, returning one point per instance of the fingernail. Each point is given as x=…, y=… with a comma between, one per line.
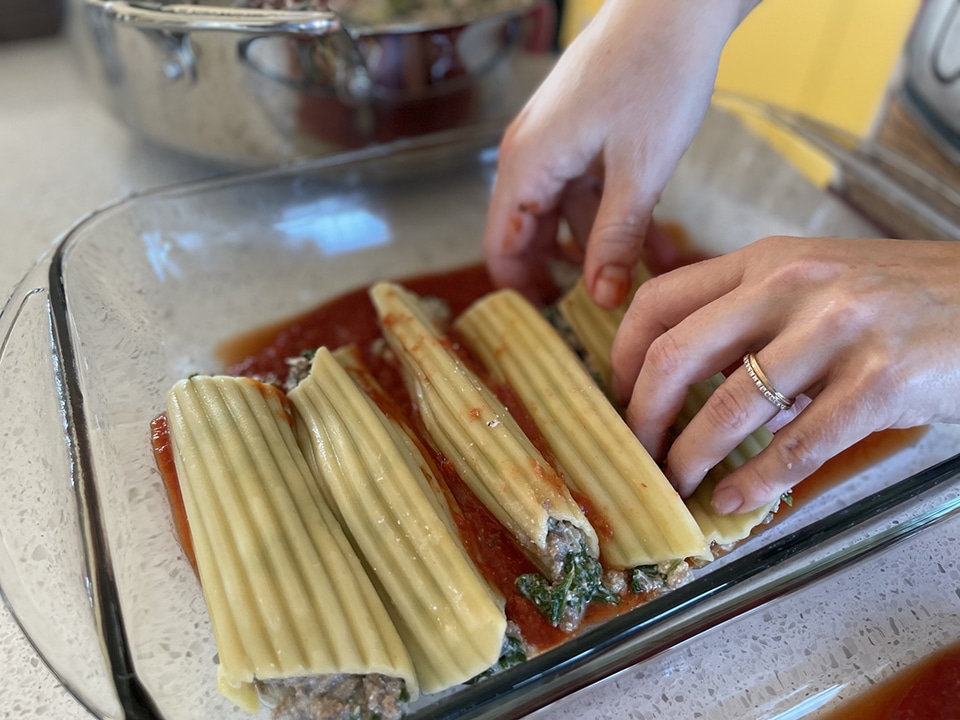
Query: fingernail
x=727, y=500
x=613, y=283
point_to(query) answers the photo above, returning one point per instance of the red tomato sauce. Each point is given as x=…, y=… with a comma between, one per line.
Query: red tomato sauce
x=500, y=560
x=163, y=455
x=350, y=319
x=926, y=690
x=345, y=320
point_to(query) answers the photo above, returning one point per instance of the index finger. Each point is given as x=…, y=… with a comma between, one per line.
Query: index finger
x=662, y=303
x=515, y=243
x=521, y=219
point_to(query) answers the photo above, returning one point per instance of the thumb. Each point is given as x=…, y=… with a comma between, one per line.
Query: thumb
x=616, y=240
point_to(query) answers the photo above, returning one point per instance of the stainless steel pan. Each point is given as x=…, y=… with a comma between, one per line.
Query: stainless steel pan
x=250, y=86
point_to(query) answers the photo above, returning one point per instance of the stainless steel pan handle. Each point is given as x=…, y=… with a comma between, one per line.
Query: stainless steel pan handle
x=189, y=18
x=171, y=26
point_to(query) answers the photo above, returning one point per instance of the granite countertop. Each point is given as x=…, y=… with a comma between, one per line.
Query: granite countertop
x=62, y=155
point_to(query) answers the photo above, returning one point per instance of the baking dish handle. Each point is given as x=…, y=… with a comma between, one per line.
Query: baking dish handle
x=189, y=18
x=889, y=187
x=43, y=578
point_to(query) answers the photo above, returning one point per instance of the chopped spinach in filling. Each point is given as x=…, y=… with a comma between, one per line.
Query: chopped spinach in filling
x=579, y=582
x=663, y=576
x=513, y=652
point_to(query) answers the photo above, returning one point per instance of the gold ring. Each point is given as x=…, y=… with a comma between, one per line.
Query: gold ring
x=763, y=383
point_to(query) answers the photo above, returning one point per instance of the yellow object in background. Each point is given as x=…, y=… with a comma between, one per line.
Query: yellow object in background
x=576, y=15
x=831, y=59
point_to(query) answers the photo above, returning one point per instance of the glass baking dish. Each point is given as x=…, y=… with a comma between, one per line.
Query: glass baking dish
x=141, y=293
x=894, y=602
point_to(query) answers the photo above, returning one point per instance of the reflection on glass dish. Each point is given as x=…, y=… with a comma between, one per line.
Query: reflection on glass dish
x=335, y=225
x=104, y=326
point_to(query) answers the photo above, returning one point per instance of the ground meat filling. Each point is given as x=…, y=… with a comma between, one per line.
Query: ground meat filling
x=667, y=575
x=562, y=539
x=576, y=578
x=298, y=369
x=336, y=697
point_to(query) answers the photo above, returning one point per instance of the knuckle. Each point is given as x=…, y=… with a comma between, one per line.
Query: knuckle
x=798, y=452
x=510, y=145
x=848, y=314
x=792, y=266
x=623, y=234
x=664, y=356
x=646, y=299
x=647, y=294
x=516, y=132
x=727, y=410
x=876, y=375
x=759, y=488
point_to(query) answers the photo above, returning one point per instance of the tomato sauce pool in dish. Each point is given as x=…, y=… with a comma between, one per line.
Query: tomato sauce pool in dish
x=926, y=690
x=351, y=319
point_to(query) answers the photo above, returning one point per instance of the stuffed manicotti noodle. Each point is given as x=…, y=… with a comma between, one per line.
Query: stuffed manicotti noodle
x=295, y=617
x=473, y=429
x=596, y=452
x=376, y=481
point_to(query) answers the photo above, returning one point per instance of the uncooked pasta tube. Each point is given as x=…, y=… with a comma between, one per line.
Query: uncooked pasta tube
x=472, y=428
x=595, y=329
x=477, y=434
x=288, y=598
x=351, y=360
x=596, y=451
x=594, y=326
x=451, y=622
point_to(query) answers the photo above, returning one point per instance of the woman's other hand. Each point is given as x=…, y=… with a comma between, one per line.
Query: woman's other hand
x=867, y=330
x=599, y=139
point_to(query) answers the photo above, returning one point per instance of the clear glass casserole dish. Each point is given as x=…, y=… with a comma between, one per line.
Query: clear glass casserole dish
x=856, y=635
x=140, y=294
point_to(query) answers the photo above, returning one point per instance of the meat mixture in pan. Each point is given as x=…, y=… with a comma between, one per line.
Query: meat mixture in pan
x=336, y=697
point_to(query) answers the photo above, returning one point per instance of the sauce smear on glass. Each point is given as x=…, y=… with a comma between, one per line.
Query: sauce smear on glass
x=926, y=690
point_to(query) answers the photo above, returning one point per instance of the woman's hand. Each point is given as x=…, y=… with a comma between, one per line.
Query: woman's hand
x=867, y=330
x=599, y=139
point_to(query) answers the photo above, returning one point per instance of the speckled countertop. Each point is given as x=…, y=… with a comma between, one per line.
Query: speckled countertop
x=61, y=156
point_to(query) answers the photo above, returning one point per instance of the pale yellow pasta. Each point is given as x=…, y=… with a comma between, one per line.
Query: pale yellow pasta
x=722, y=529
x=476, y=433
x=451, y=622
x=286, y=594
x=595, y=328
x=596, y=451
x=350, y=359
